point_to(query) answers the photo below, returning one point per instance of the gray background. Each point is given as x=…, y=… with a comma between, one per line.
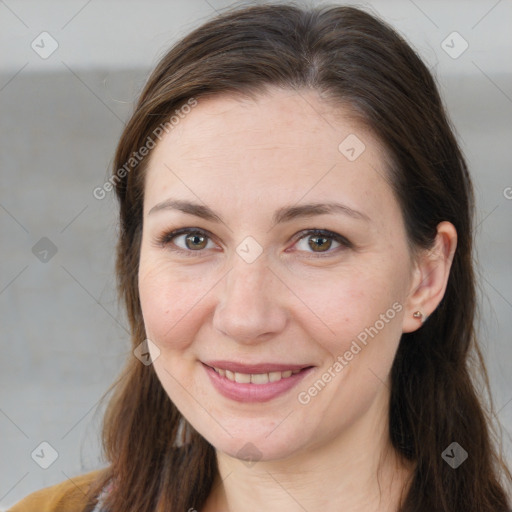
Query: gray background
x=63, y=336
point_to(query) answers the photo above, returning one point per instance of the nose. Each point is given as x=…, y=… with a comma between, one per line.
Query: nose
x=250, y=307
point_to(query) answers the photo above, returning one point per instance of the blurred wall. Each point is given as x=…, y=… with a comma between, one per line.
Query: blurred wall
x=69, y=74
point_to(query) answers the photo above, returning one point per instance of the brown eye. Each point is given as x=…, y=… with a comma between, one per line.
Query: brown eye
x=186, y=241
x=319, y=243
x=196, y=241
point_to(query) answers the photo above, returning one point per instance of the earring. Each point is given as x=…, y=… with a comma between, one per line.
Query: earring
x=418, y=315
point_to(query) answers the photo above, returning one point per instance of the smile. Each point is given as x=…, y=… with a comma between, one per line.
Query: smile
x=255, y=378
x=254, y=383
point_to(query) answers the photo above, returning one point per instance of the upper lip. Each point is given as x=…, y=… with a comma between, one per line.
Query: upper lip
x=235, y=367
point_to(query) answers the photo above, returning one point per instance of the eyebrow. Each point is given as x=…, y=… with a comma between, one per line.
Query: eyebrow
x=285, y=214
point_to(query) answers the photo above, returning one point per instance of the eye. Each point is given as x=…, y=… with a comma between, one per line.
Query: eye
x=194, y=240
x=320, y=241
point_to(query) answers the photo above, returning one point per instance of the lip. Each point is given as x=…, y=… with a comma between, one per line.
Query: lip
x=242, y=392
x=233, y=366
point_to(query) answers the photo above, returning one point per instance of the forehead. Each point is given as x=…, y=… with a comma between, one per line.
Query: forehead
x=284, y=142
x=279, y=119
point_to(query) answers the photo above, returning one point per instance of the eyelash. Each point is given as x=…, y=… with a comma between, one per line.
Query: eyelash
x=166, y=238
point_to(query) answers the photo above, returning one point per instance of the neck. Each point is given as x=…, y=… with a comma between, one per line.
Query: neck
x=358, y=471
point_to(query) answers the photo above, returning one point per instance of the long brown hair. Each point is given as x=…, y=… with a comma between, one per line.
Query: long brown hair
x=351, y=58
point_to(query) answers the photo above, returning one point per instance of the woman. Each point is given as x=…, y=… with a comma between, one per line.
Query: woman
x=295, y=258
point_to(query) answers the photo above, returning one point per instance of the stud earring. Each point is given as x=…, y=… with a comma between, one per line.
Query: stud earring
x=418, y=315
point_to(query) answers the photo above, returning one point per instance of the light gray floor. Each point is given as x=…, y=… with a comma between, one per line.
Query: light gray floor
x=63, y=337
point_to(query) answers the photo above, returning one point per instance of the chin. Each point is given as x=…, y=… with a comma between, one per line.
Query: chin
x=253, y=449
x=256, y=439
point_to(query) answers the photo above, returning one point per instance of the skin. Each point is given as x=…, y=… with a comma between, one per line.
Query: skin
x=246, y=158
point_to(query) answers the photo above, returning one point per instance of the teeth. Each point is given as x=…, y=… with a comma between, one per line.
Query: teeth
x=259, y=378
x=255, y=378
x=242, y=378
x=273, y=376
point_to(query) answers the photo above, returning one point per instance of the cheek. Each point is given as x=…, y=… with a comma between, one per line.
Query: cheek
x=344, y=303
x=169, y=303
x=364, y=308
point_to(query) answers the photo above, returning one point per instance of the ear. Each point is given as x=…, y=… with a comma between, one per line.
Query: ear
x=430, y=277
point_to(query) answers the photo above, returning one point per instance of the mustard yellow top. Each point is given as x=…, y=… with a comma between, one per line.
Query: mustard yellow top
x=67, y=496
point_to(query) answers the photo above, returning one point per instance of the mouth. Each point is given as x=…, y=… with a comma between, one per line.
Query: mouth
x=254, y=383
x=255, y=378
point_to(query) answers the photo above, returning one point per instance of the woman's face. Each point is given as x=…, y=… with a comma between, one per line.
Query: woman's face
x=272, y=340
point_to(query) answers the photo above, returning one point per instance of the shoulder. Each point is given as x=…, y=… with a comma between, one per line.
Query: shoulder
x=66, y=496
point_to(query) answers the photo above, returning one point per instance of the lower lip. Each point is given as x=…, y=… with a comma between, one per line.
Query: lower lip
x=253, y=392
